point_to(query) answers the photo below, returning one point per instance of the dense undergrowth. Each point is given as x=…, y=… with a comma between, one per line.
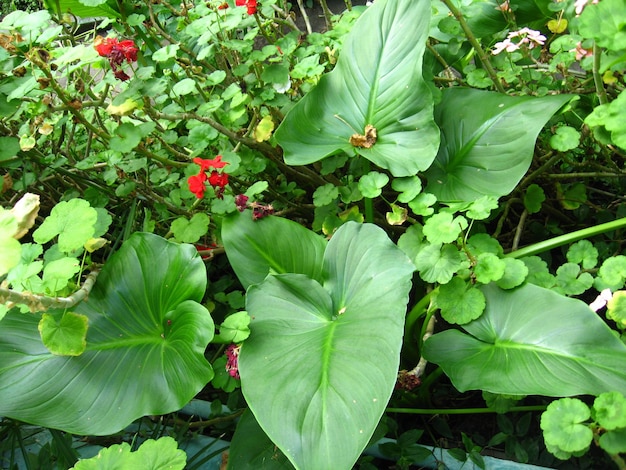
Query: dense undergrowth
x=408, y=225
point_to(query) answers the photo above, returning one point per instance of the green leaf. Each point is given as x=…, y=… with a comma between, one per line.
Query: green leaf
x=616, y=308
x=65, y=336
x=128, y=136
x=566, y=138
x=533, y=198
x=584, y=253
x=271, y=245
x=531, y=341
x=374, y=74
x=570, y=281
x=73, y=221
x=371, y=185
x=609, y=410
x=460, y=302
x=83, y=9
x=489, y=267
x=614, y=442
x=561, y=425
x=234, y=329
x=165, y=53
x=610, y=117
x=323, y=335
x=482, y=207
x=604, y=23
x=57, y=273
x=613, y=272
x=421, y=205
x=159, y=454
x=325, y=195
x=184, y=87
x=147, y=331
x=200, y=137
x=9, y=146
x=408, y=188
x=487, y=141
x=437, y=263
x=251, y=449
x=444, y=227
x=515, y=272
x=190, y=231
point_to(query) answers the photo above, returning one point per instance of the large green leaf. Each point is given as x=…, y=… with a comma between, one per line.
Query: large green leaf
x=270, y=245
x=328, y=354
x=84, y=9
x=487, y=141
x=532, y=341
x=378, y=82
x=145, y=346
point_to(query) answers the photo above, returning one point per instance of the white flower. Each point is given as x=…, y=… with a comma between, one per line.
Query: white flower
x=580, y=5
x=601, y=300
x=527, y=36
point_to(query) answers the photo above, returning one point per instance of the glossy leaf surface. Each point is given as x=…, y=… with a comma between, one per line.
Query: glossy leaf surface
x=377, y=82
x=145, y=346
x=327, y=352
x=487, y=142
x=270, y=245
x=532, y=341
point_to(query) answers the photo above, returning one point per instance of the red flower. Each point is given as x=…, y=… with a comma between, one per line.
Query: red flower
x=196, y=184
x=223, y=6
x=251, y=5
x=218, y=179
x=121, y=75
x=207, y=164
x=128, y=49
x=104, y=46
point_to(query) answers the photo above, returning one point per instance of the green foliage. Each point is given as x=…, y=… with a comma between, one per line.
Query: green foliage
x=151, y=454
x=373, y=74
x=333, y=323
x=531, y=329
x=459, y=302
x=485, y=134
x=234, y=329
x=160, y=337
x=190, y=231
x=66, y=335
x=73, y=222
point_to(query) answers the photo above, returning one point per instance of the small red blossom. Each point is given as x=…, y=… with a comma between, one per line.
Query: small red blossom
x=223, y=6
x=251, y=5
x=196, y=184
x=206, y=164
x=261, y=210
x=218, y=179
x=117, y=52
x=232, y=362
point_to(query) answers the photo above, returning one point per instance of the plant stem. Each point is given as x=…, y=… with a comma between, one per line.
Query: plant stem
x=597, y=78
x=475, y=44
x=39, y=303
x=462, y=411
x=567, y=238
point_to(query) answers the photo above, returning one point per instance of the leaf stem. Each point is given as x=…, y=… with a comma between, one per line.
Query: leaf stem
x=597, y=78
x=567, y=238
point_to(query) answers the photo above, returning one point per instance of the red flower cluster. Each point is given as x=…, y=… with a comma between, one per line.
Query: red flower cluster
x=117, y=52
x=232, y=360
x=249, y=4
x=215, y=178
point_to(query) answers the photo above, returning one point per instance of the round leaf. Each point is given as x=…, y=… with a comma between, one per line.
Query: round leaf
x=609, y=410
x=561, y=425
x=65, y=337
x=72, y=221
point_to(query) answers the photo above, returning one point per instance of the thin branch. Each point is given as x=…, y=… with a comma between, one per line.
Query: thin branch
x=41, y=303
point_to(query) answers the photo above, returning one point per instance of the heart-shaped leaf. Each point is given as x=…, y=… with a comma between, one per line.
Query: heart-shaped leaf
x=532, y=341
x=375, y=97
x=487, y=141
x=270, y=245
x=327, y=353
x=145, y=346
